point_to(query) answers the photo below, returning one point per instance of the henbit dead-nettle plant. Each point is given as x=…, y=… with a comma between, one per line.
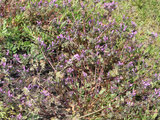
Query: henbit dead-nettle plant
x=83, y=63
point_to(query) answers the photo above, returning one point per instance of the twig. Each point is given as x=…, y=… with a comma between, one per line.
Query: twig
x=93, y=113
x=105, y=106
x=46, y=58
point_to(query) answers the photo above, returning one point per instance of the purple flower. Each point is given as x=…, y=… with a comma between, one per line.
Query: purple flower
x=49, y=47
x=43, y=44
x=39, y=39
x=45, y=92
x=105, y=38
x=130, y=103
x=84, y=74
x=58, y=37
x=76, y=56
x=129, y=48
x=52, y=2
x=125, y=27
x=110, y=6
x=1, y=90
x=61, y=36
x=70, y=70
x=3, y=61
x=90, y=21
x=71, y=93
x=61, y=66
x=134, y=24
x=24, y=55
x=7, y=52
x=1, y=14
x=157, y=92
x=133, y=34
x=120, y=63
x=82, y=5
x=131, y=85
x=155, y=34
x=102, y=48
x=130, y=64
x=97, y=46
x=22, y=9
x=24, y=69
x=98, y=62
x=40, y=2
x=112, y=31
x=9, y=94
x=99, y=79
x=56, y=5
x=39, y=22
x=146, y=83
x=16, y=57
x=69, y=61
x=29, y=103
x=133, y=93
x=19, y=116
x=69, y=1
x=53, y=43
x=155, y=75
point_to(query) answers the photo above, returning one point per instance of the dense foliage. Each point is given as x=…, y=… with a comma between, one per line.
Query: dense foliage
x=73, y=60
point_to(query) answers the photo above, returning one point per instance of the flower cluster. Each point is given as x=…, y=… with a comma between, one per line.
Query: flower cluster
x=76, y=61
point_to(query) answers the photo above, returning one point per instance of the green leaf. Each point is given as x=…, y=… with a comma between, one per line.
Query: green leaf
x=155, y=114
x=63, y=16
x=59, y=75
x=63, y=24
x=26, y=91
x=102, y=91
x=114, y=72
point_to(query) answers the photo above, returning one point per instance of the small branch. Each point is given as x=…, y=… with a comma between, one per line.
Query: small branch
x=47, y=58
x=105, y=106
x=92, y=113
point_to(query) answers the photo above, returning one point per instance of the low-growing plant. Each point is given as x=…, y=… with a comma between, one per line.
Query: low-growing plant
x=81, y=64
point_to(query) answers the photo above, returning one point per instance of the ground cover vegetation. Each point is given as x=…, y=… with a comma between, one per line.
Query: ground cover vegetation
x=72, y=59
